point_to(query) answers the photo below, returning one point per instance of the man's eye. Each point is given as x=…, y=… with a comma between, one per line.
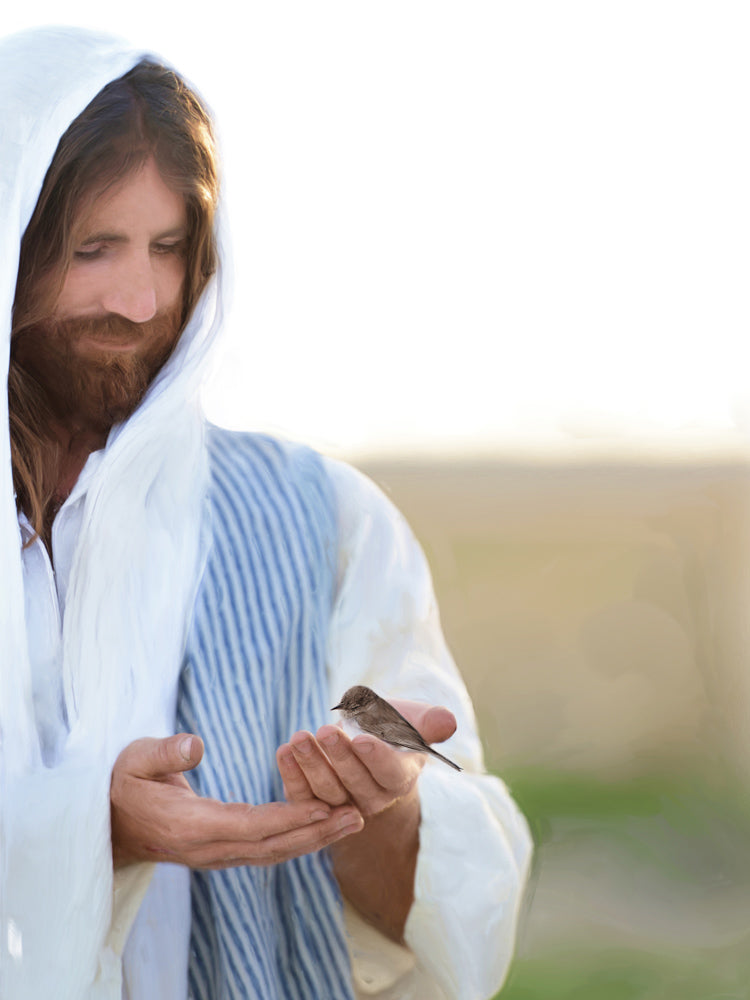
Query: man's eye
x=164, y=248
x=90, y=253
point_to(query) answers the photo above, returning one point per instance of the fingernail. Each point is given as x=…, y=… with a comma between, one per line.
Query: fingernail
x=363, y=746
x=186, y=747
x=330, y=740
x=304, y=747
x=352, y=819
x=319, y=814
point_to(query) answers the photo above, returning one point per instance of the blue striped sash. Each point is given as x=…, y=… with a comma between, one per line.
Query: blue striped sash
x=254, y=673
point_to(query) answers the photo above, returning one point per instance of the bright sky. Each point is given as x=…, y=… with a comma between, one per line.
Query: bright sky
x=459, y=225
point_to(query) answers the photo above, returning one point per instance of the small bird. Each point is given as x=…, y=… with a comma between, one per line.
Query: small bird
x=374, y=715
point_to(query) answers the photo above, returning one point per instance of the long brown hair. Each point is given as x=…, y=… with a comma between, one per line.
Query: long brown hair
x=149, y=111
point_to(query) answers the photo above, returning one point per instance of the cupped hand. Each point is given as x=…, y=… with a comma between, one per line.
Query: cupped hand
x=376, y=867
x=156, y=816
x=364, y=771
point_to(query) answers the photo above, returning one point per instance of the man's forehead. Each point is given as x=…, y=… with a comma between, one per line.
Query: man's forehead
x=141, y=197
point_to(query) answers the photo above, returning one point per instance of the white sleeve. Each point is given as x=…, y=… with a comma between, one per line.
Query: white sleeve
x=475, y=846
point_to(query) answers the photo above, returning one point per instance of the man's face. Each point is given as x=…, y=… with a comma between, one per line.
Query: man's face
x=118, y=314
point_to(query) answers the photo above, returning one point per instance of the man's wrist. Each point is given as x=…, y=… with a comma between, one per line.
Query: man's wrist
x=376, y=867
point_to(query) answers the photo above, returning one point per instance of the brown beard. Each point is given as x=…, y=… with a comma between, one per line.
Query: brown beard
x=86, y=384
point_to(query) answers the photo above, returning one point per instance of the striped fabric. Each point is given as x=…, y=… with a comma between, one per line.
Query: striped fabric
x=254, y=673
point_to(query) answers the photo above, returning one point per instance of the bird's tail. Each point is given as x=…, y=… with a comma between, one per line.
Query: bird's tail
x=445, y=760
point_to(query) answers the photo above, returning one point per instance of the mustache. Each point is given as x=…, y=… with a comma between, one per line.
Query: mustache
x=112, y=326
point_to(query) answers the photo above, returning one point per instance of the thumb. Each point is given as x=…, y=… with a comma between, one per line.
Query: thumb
x=439, y=724
x=158, y=758
x=434, y=723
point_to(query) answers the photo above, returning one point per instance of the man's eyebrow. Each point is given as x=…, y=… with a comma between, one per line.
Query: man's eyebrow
x=102, y=238
x=176, y=232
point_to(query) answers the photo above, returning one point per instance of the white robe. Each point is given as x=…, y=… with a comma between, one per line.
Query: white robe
x=64, y=921
x=55, y=854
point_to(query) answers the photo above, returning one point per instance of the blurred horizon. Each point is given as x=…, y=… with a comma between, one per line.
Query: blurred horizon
x=689, y=446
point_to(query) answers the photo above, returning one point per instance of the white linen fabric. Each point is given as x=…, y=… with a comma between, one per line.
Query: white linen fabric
x=54, y=800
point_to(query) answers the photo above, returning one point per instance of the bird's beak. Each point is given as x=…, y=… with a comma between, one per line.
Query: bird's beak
x=335, y=707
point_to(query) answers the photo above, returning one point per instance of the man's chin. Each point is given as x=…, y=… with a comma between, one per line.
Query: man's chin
x=110, y=395
x=96, y=373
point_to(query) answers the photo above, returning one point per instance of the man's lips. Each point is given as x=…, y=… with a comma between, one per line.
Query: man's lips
x=106, y=342
x=109, y=333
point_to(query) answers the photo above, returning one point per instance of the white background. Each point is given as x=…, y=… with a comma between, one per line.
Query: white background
x=470, y=225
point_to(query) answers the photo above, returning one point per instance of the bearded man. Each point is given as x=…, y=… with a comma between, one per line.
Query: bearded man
x=162, y=576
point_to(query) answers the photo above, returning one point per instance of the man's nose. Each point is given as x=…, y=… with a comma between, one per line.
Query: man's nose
x=133, y=294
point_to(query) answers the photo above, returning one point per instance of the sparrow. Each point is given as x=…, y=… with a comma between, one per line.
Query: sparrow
x=374, y=715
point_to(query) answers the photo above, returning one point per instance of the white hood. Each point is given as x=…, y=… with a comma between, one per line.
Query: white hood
x=131, y=587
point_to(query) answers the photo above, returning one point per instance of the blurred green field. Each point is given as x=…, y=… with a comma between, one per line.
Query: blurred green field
x=640, y=889
x=626, y=975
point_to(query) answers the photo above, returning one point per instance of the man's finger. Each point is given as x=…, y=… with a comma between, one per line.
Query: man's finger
x=158, y=758
x=206, y=820
x=280, y=847
x=374, y=773
x=296, y=786
x=321, y=777
x=353, y=771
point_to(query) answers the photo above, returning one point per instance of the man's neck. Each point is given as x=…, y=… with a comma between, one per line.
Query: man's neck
x=74, y=445
x=74, y=452
x=75, y=442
